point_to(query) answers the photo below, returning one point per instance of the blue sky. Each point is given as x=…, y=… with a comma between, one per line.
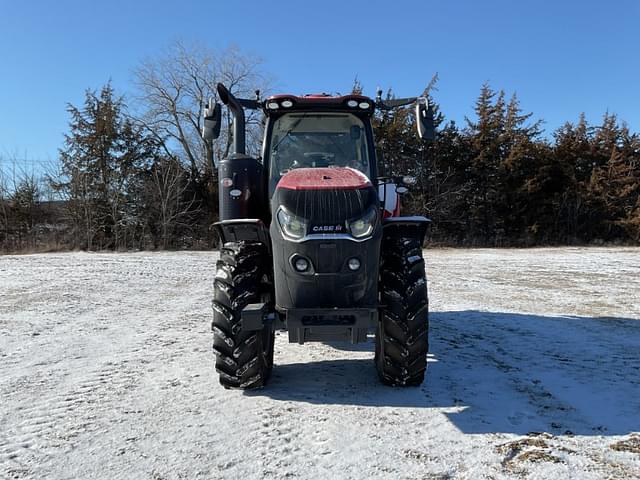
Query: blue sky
x=561, y=57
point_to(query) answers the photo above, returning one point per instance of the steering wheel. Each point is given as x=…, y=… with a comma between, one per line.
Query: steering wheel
x=318, y=159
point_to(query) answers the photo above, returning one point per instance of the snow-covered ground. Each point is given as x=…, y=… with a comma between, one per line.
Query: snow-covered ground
x=106, y=372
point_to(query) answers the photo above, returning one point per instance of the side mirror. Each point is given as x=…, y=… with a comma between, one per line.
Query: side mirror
x=424, y=119
x=212, y=121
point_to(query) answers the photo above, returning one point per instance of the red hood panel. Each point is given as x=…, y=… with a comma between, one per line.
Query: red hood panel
x=334, y=178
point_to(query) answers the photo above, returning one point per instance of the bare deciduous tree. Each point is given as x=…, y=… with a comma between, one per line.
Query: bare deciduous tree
x=174, y=89
x=4, y=206
x=21, y=212
x=170, y=197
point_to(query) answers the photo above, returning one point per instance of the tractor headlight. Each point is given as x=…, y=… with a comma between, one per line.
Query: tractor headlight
x=363, y=226
x=292, y=226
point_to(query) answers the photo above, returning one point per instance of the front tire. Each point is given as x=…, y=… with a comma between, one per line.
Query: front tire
x=402, y=340
x=244, y=359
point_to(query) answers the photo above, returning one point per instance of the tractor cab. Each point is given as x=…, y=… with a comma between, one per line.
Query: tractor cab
x=317, y=131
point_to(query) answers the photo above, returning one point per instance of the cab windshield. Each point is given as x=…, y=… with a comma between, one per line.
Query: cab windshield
x=312, y=139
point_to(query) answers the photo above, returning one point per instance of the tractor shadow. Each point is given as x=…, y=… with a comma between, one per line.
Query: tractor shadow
x=493, y=372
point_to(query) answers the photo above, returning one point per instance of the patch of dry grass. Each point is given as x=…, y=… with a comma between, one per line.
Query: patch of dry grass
x=533, y=448
x=537, y=456
x=631, y=444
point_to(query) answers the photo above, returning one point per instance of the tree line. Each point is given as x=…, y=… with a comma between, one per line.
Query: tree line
x=136, y=178
x=497, y=181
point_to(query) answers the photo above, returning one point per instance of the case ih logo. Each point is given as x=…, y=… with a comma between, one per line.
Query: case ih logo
x=327, y=228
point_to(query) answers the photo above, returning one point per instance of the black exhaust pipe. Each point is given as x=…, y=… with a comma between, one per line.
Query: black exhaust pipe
x=238, y=118
x=241, y=188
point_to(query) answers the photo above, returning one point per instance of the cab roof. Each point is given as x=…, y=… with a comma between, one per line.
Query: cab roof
x=318, y=101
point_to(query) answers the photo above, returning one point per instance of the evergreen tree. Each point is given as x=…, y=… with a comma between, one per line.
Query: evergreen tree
x=487, y=150
x=523, y=157
x=614, y=187
x=103, y=152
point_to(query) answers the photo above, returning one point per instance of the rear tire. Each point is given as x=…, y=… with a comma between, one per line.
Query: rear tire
x=402, y=337
x=244, y=359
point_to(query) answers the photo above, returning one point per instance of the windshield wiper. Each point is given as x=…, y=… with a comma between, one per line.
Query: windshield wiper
x=297, y=122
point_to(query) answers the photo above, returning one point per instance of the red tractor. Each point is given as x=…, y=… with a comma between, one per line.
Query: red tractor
x=312, y=241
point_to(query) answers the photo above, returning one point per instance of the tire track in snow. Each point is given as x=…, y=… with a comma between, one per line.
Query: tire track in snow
x=279, y=437
x=52, y=421
x=80, y=388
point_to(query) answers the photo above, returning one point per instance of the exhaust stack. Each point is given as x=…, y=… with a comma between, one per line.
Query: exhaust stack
x=239, y=144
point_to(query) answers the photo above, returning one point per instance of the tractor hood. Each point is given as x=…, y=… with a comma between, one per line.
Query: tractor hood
x=325, y=198
x=334, y=178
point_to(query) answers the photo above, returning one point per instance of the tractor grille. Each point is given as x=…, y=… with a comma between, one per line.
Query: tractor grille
x=327, y=207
